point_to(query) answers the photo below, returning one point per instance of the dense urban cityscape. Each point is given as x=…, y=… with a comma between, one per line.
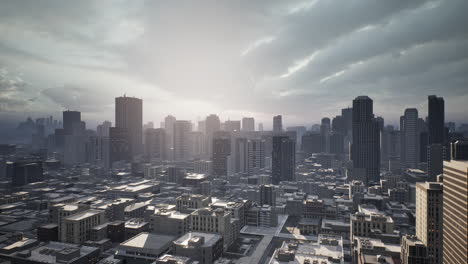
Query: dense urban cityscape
x=233, y=132
x=348, y=190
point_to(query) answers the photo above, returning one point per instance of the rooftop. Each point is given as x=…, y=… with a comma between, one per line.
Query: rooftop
x=148, y=241
x=210, y=238
x=83, y=215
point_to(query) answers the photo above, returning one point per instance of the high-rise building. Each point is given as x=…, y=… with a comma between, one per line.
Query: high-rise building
x=311, y=143
x=455, y=212
x=459, y=150
x=325, y=133
x=283, y=159
x=410, y=138
x=169, y=122
x=181, y=149
x=212, y=125
x=255, y=155
x=347, y=114
x=435, y=157
x=103, y=129
x=97, y=151
x=119, y=145
x=129, y=115
x=365, y=150
x=277, y=124
x=267, y=195
x=70, y=119
x=221, y=152
x=429, y=228
x=232, y=125
x=155, y=143
x=436, y=120
x=436, y=146
x=248, y=124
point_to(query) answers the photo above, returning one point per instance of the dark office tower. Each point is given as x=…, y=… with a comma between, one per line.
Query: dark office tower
x=347, y=114
x=181, y=140
x=325, y=133
x=119, y=145
x=365, y=150
x=221, y=152
x=248, y=124
x=212, y=125
x=455, y=212
x=435, y=157
x=423, y=137
x=277, y=124
x=70, y=118
x=336, y=143
x=283, y=159
x=311, y=143
x=25, y=172
x=410, y=134
x=231, y=126
x=267, y=195
x=338, y=125
x=129, y=115
x=155, y=143
x=436, y=120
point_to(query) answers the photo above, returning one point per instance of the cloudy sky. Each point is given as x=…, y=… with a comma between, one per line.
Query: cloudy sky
x=302, y=59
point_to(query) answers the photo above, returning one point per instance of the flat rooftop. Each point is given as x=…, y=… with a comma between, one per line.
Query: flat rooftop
x=148, y=241
x=83, y=215
x=210, y=238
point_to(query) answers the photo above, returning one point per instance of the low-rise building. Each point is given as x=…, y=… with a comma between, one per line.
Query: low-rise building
x=202, y=247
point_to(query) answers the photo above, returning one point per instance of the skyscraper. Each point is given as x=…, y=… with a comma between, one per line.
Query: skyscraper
x=221, y=152
x=70, y=119
x=181, y=140
x=429, y=198
x=410, y=140
x=119, y=145
x=169, y=122
x=155, y=143
x=283, y=159
x=277, y=124
x=267, y=195
x=366, y=141
x=455, y=211
x=255, y=155
x=436, y=148
x=212, y=125
x=436, y=119
x=325, y=134
x=248, y=124
x=129, y=115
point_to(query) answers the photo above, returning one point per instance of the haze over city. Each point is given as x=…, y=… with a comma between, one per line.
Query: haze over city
x=234, y=132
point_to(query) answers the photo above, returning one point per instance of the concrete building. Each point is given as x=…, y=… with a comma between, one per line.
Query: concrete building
x=77, y=227
x=277, y=124
x=370, y=225
x=203, y=166
x=413, y=251
x=221, y=150
x=267, y=195
x=169, y=222
x=181, y=140
x=191, y=202
x=144, y=248
x=155, y=143
x=455, y=212
x=198, y=246
x=214, y=221
x=429, y=227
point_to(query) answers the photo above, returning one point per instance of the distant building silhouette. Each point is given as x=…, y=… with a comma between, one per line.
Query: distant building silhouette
x=277, y=124
x=283, y=159
x=366, y=141
x=129, y=115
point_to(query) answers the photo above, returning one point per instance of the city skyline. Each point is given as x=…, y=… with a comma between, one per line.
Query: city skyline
x=52, y=61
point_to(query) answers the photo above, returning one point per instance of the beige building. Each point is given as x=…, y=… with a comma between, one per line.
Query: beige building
x=169, y=222
x=202, y=247
x=368, y=225
x=189, y=202
x=214, y=221
x=455, y=212
x=77, y=227
x=429, y=197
